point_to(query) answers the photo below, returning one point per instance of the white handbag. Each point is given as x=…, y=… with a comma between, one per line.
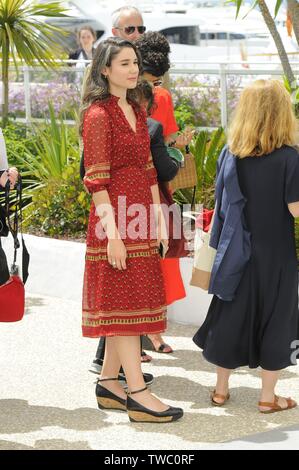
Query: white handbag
x=204, y=257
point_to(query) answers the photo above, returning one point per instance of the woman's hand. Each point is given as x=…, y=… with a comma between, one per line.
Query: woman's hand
x=162, y=233
x=184, y=139
x=117, y=254
x=12, y=175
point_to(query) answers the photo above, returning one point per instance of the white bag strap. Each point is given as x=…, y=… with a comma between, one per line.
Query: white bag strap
x=193, y=215
x=189, y=214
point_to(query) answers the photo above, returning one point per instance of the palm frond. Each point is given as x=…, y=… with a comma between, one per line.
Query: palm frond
x=27, y=37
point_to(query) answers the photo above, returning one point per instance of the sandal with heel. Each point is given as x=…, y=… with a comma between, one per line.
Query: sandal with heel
x=108, y=400
x=218, y=395
x=149, y=345
x=275, y=407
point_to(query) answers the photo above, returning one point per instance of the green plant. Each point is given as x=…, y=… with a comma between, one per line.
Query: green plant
x=25, y=36
x=293, y=89
x=52, y=147
x=273, y=30
x=18, y=139
x=184, y=115
x=206, y=148
x=61, y=208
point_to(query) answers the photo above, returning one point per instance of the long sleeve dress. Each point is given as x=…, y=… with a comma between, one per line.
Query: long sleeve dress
x=117, y=159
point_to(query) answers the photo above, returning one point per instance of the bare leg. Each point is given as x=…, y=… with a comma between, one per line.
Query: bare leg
x=269, y=381
x=157, y=340
x=110, y=369
x=222, y=382
x=128, y=348
x=144, y=356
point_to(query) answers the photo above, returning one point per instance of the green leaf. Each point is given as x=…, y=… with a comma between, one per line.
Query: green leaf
x=277, y=6
x=27, y=37
x=239, y=4
x=255, y=3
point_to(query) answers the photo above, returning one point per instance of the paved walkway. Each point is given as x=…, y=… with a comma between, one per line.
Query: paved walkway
x=47, y=396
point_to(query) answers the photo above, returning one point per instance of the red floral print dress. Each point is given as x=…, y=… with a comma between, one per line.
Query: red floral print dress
x=132, y=301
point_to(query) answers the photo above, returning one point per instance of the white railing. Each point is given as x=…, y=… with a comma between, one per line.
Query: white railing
x=223, y=71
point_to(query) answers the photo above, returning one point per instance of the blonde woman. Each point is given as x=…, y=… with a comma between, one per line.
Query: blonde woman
x=259, y=326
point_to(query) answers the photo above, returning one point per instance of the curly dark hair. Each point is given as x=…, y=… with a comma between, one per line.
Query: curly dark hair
x=145, y=93
x=154, y=49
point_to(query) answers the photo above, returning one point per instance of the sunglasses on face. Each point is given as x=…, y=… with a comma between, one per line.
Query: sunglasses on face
x=131, y=29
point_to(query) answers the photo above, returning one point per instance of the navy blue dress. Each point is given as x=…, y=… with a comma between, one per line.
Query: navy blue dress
x=261, y=325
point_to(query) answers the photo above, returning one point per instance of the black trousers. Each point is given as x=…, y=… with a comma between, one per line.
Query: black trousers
x=4, y=271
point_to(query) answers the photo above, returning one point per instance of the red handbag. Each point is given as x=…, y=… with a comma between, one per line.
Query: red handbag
x=12, y=292
x=12, y=300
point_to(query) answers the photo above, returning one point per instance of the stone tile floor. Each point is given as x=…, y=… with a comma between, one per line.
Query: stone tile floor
x=47, y=394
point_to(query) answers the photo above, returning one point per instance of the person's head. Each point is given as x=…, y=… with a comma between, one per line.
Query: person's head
x=145, y=95
x=154, y=50
x=86, y=37
x=127, y=23
x=114, y=69
x=263, y=121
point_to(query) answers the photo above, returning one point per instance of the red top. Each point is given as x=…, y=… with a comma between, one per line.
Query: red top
x=164, y=111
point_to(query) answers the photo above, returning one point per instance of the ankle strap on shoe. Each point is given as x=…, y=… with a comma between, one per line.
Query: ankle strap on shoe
x=106, y=380
x=137, y=391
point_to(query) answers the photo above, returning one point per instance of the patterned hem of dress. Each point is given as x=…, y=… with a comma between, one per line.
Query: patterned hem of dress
x=98, y=334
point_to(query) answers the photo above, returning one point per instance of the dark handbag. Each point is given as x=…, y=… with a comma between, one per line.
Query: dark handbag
x=177, y=246
x=12, y=292
x=3, y=225
x=4, y=271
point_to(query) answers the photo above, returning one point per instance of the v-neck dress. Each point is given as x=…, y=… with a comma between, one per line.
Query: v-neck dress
x=118, y=159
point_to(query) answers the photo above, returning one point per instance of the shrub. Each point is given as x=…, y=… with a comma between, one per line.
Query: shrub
x=198, y=100
x=206, y=149
x=61, y=208
x=64, y=96
x=19, y=139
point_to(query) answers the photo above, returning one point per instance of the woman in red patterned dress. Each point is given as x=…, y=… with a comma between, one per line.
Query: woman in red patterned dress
x=123, y=293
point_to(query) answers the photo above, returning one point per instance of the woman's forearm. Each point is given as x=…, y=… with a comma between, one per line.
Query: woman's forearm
x=155, y=194
x=105, y=211
x=159, y=217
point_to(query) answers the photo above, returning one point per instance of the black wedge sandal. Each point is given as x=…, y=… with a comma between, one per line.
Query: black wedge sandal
x=139, y=414
x=108, y=400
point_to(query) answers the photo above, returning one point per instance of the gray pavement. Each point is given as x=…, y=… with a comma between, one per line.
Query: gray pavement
x=47, y=394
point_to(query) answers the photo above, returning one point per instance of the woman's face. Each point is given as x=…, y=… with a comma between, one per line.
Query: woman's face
x=156, y=81
x=124, y=70
x=86, y=39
